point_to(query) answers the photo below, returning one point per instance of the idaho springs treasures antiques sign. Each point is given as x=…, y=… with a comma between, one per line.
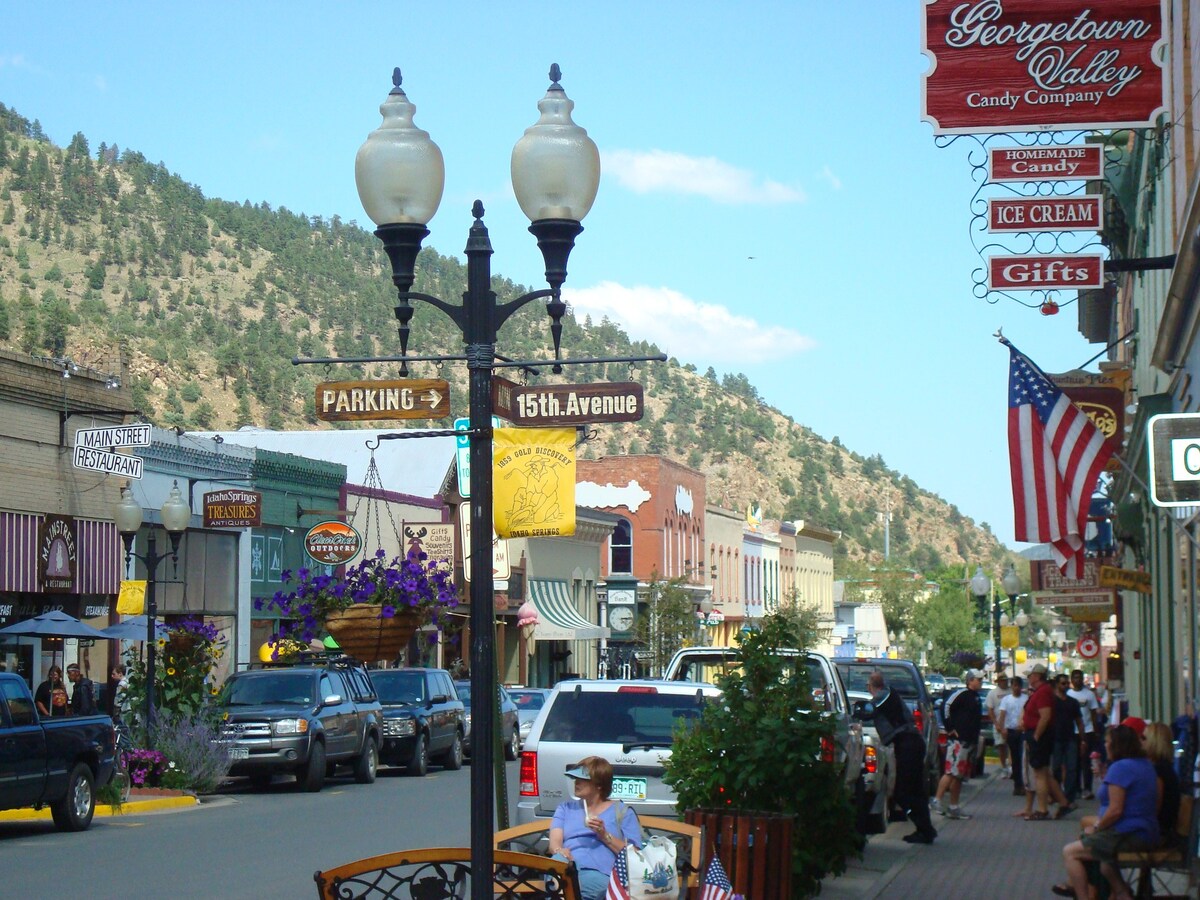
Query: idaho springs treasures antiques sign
x=1042, y=65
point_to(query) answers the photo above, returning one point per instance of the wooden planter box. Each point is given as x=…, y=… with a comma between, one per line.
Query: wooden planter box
x=754, y=847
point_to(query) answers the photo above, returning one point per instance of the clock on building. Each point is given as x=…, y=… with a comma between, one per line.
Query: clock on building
x=620, y=618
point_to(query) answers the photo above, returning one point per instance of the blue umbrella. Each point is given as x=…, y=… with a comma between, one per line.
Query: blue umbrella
x=131, y=629
x=55, y=624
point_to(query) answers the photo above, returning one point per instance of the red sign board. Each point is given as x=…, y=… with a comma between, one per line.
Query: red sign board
x=1042, y=272
x=1088, y=647
x=232, y=509
x=1076, y=163
x=1046, y=214
x=1042, y=65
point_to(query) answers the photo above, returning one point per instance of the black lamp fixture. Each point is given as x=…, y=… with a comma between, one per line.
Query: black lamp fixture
x=400, y=175
x=981, y=587
x=176, y=516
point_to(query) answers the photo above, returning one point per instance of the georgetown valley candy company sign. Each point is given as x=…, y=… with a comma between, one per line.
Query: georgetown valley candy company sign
x=1042, y=65
x=233, y=509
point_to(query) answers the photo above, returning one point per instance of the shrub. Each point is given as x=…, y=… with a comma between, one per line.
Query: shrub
x=198, y=760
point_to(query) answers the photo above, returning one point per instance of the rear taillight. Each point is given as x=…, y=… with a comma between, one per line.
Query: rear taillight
x=637, y=689
x=827, y=749
x=870, y=763
x=919, y=719
x=529, y=781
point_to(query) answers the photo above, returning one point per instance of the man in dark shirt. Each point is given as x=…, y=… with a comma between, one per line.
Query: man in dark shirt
x=895, y=725
x=1068, y=732
x=83, y=697
x=963, y=716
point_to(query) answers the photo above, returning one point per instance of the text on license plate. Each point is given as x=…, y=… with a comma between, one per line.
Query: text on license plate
x=629, y=788
x=239, y=753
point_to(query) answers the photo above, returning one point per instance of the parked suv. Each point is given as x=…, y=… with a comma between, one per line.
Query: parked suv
x=629, y=723
x=302, y=719
x=422, y=718
x=508, y=725
x=903, y=677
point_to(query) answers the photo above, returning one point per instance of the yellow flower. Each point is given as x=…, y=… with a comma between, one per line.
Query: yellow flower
x=170, y=671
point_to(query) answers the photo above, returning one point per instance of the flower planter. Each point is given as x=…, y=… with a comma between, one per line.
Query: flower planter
x=361, y=632
x=182, y=642
x=754, y=847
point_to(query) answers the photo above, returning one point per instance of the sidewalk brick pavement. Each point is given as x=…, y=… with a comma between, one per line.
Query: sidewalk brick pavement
x=992, y=854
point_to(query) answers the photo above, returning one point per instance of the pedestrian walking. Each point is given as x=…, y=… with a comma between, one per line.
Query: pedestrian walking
x=1012, y=711
x=1068, y=737
x=1089, y=705
x=83, y=694
x=1039, y=741
x=991, y=706
x=963, y=717
x=896, y=728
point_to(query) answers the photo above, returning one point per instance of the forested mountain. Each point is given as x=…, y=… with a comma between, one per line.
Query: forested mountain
x=115, y=263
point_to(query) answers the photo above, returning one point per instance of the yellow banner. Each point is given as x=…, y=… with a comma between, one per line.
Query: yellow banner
x=533, y=482
x=132, y=599
x=1010, y=636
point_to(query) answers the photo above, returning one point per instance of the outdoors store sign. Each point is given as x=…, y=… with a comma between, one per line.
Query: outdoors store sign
x=332, y=542
x=1075, y=163
x=1045, y=214
x=233, y=509
x=1042, y=65
x=1041, y=273
x=409, y=398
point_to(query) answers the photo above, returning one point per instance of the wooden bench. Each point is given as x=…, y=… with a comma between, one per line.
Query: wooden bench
x=1175, y=857
x=688, y=841
x=444, y=873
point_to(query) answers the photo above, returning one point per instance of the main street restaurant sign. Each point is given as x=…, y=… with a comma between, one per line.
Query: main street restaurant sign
x=567, y=404
x=359, y=401
x=1042, y=65
x=233, y=509
x=1045, y=214
x=1041, y=273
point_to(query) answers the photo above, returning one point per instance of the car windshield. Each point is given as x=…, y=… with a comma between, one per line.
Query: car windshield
x=285, y=688
x=399, y=686
x=899, y=678
x=528, y=699
x=464, y=692
x=619, y=717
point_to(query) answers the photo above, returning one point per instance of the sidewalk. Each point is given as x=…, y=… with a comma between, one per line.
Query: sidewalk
x=992, y=854
x=139, y=802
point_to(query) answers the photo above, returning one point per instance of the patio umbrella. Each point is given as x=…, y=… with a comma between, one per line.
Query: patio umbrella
x=53, y=624
x=131, y=629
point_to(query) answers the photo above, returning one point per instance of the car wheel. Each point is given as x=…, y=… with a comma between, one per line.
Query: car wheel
x=260, y=781
x=367, y=763
x=419, y=764
x=453, y=759
x=513, y=748
x=312, y=776
x=74, y=811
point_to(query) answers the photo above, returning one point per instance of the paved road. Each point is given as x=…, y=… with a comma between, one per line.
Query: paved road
x=242, y=844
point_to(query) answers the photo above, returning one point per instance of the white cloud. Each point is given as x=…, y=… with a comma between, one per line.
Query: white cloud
x=829, y=176
x=686, y=328
x=661, y=170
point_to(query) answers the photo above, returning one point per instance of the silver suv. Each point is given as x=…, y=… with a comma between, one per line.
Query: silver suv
x=629, y=723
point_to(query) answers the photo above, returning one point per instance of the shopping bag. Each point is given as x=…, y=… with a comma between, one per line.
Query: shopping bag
x=652, y=873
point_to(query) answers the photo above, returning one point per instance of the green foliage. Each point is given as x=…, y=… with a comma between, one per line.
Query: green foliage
x=759, y=749
x=669, y=622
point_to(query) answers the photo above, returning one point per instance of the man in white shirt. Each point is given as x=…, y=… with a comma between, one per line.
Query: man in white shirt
x=1089, y=706
x=992, y=708
x=1011, y=710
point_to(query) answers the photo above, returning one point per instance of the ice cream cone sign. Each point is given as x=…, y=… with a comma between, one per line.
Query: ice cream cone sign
x=527, y=621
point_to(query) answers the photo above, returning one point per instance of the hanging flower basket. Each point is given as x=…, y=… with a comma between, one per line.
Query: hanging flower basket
x=182, y=642
x=362, y=632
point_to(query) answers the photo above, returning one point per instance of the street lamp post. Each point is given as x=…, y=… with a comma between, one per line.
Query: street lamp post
x=981, y=586
x=1012, y=587
x=176, y=516
x=555, y=174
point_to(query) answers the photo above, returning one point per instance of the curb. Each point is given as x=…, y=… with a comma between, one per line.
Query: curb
x=129, y=808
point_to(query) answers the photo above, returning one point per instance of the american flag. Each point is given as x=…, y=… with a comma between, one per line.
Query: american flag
x=1056, y=453
x=716, y=882
x=618, y=881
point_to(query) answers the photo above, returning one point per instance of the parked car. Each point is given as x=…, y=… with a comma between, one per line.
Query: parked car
x=55, y=762
x=302, y=720
x=629, y=723
x=529, y=703
x=903, y=677
x=705, y=664
x=423, y=719
x=878, y=781
x=507, y=724
x=935, y=683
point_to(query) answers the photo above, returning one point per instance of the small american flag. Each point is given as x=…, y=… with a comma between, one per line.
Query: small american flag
x=716, y=883
x=618, y=881
x=1055, y=453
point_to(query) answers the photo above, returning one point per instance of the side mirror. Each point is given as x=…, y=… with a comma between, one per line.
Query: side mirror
x=333, y=700
x=440, y=698
x=864, y=709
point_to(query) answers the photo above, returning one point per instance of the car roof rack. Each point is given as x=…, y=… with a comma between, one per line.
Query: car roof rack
x=323, y=658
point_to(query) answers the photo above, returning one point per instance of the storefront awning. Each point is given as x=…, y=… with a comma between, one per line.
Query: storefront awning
x=560, y=621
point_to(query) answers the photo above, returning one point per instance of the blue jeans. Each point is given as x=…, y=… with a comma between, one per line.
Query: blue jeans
x=593, y=884
x=1064, y=765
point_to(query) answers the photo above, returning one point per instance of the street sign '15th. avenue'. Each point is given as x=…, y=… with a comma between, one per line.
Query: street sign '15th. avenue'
x=357, y=401
x=566, y=404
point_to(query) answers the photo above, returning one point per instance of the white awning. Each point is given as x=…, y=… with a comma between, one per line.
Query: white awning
x=560, y=621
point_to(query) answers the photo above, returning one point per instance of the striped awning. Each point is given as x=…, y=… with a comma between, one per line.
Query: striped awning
x=560, y=621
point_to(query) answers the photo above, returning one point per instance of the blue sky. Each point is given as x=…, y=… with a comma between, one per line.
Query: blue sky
x=771, y=202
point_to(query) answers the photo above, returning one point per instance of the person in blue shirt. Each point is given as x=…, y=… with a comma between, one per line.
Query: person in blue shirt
x=593, y=828
x=1128, y=817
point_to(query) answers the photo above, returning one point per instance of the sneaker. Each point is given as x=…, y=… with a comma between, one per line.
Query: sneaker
x=920, y=837
x=936, y=806
x=957, y=813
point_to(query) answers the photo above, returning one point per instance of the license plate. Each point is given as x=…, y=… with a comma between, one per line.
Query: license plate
x=629, y=788
x=239, y=753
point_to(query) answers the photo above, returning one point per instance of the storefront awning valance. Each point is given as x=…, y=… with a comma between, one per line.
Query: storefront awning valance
x=560, y=621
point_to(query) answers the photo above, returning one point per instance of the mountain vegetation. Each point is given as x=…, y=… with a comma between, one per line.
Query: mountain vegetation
x=201, y=304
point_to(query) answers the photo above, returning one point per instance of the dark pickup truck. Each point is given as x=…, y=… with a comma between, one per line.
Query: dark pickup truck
x=52, y=762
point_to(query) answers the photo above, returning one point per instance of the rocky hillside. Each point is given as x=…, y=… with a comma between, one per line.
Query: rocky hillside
x=117, y=264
